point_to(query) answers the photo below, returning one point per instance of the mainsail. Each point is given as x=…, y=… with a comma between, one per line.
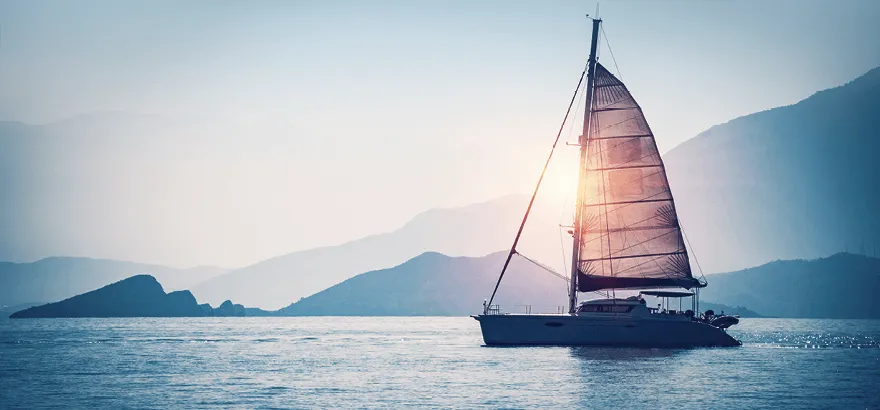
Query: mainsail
x=629, y=231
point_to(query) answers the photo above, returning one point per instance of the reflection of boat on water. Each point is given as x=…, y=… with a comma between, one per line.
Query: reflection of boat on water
x=626, y=235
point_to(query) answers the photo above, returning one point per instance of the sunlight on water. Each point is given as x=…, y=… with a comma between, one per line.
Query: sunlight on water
x=810, y=334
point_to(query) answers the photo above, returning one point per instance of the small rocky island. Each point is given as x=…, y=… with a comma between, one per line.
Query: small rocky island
x=137, y=296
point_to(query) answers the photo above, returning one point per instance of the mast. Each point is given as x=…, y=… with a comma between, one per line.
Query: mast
x=582, y=141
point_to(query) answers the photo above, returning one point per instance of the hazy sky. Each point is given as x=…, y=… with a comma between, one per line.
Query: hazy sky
x=366, y=113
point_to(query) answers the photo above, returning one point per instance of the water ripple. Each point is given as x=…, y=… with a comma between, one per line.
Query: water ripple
x=421, y=362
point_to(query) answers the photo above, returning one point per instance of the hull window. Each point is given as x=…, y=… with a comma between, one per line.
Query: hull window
x=607, y=308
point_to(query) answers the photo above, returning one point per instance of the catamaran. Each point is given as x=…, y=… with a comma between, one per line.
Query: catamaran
x=626, y=236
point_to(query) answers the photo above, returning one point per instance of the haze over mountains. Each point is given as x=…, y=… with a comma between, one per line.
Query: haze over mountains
x=842, y=286
x=149, y=188
x=473, y=230
x=53, y=279
x=436, y=284
x=791, y=182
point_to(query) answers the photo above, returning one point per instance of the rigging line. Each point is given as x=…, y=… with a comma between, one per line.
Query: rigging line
x=545, y=267
x=568, y=196
x=562, y=239
x=693, y=253
x=608, y=43
x=576, y=110
x=537, y=186
x=564, y=263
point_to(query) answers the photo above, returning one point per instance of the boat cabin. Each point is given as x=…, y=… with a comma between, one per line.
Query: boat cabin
x=632, y=306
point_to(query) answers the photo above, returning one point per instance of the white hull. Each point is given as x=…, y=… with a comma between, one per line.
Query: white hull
x=574, y=330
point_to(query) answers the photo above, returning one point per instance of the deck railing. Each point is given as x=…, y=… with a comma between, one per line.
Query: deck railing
x=526, y=310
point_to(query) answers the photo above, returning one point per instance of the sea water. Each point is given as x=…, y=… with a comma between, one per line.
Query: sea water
x=392, y=362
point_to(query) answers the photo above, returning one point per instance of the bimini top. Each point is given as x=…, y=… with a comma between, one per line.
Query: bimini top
x=666, y=293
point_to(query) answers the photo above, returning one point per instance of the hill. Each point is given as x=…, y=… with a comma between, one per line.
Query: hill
x=436, y=284
x=7, y=310
x=840, y=286
x=137, y=296
x=787, y=183
x=60, y=278
x=472, y=230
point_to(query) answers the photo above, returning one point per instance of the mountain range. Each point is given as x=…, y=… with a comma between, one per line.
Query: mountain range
x=787, y=183
x=433, y=284
x=472, y=230
x=438, y=285
x=840, y=286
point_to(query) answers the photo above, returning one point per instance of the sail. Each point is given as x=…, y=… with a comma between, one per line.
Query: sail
x=629, y=232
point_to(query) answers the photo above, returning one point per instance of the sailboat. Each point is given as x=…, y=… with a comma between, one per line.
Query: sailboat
x=626, y=236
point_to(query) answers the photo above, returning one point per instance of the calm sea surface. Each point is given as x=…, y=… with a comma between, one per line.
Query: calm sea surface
x=425, y=362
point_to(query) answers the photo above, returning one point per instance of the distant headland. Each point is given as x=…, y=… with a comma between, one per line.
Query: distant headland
x=137, y=296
